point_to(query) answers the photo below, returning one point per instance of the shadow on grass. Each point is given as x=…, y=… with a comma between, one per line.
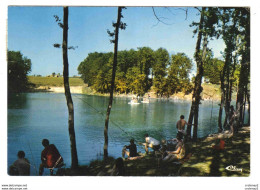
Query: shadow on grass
x=209, y=162
x=204, y=161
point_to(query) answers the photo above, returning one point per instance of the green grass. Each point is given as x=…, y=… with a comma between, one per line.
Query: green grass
x=54, y=81
x=204, y=161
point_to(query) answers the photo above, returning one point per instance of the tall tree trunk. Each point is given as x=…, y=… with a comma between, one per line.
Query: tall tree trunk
x=227, y=102
x=74, y=156
x=197, y=88
x=248, y=100
x=222, y=86
x=232, y=76
x=112, y=83
x=225, y=83
x=244, y=109
x=244, y=73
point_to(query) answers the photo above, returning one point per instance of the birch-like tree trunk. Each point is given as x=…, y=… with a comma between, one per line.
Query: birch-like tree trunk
x=112, y=82
x=74, y=156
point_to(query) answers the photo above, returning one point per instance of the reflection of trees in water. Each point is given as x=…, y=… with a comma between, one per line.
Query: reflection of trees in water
x=17, y=100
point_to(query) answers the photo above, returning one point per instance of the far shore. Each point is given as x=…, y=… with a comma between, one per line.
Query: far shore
x=87, y=90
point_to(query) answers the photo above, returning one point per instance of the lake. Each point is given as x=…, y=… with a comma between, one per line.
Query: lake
x=35, y=116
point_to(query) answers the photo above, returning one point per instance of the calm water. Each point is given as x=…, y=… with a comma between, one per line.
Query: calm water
x=34, y=116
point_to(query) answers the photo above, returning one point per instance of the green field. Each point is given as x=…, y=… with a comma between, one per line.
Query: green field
x=54, y=81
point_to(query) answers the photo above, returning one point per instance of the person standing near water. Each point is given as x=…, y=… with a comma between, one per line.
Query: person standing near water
x=180, y=125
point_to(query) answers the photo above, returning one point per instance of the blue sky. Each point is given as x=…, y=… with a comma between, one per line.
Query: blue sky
x=32, y=30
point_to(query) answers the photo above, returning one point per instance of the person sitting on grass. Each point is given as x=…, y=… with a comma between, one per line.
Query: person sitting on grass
x=132, y=149
x=179, y=152
x=132, y=153
x=21, y=166
x=151, y=142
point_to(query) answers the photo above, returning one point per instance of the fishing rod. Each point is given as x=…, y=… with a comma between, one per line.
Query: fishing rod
x=32, y=158
x=115, y=124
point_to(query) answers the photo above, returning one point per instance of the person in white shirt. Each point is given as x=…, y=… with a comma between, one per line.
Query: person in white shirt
x=151, y=142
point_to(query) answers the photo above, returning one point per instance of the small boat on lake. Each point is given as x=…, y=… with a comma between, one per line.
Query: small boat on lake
x=134, y=101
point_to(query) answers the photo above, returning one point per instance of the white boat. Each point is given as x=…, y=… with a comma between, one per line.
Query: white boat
x=133, y=102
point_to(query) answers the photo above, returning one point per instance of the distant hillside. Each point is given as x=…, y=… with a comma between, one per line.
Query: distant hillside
x=54, y=81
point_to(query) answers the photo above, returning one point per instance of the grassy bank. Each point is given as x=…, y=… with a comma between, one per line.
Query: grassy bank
x=202, y=160
x=54, y=81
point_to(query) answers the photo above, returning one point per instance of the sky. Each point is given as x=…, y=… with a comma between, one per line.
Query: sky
x=32, y=30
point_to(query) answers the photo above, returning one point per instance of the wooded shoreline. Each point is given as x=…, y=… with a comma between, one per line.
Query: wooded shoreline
x=210, y=94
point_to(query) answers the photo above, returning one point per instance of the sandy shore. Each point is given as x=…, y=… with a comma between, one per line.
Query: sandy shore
x=54, y=89
x=88, y=90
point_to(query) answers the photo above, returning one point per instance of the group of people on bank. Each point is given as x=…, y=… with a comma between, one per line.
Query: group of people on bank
x=162, y=149
x=50, y=158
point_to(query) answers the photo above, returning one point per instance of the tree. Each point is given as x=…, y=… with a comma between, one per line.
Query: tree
x=118, y=25
x=244, y=23
x=236, y=35
x=64, y=26
x=229, y=34
x=159, y=70
x=18, y=69
x=205, y=29
x=74, y=156
x=212, y=69
x=93, y=65
x=178, y=73
x=145, y=61
x=126, y=60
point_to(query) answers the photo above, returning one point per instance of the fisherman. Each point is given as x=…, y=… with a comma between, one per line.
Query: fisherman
x=50, y=157
x=21, y=166
x=132, y=150
x=151, y=142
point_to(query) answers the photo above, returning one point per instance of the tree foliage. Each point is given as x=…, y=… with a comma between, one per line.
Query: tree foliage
x=213, y=68
x=137, y=71
x=178, y=73
x=18, y=68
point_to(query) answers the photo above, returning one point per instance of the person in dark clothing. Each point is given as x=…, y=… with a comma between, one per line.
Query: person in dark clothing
x=50, y=157
x=132, y=150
